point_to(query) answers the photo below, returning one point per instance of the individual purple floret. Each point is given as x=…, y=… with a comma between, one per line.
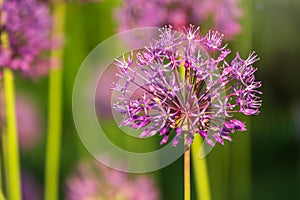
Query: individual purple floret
x=223, y=15
x=27, y=24
x=182, y=85
x=94, y=181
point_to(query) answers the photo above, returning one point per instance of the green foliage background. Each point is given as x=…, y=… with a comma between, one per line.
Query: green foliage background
x=273, y=167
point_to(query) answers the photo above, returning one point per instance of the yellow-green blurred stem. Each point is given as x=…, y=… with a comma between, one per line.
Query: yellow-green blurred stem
x=2, y=196
x=12, y=169
x=54, y=137
x=200, y=171
x=55, y=112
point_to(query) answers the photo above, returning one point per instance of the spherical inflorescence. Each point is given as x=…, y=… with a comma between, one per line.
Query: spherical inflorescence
x=183, y=85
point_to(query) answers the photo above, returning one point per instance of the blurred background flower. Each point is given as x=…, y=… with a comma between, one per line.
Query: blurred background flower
x=221, y=15
x=103, y=93
x=31, y=188
x=93, y=180
x=27, y=24
x=29, y=122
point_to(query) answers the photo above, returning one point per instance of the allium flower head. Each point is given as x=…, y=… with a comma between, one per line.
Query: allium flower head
x=222, y=14
x=94, y=181
x=27, y=24
x=184, y=85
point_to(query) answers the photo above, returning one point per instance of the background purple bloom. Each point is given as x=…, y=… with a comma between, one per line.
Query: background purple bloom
x=27, y=24
x=95, y=181
x=104, y=93
x=222, y=15
x=31, y=188
x=29, y=122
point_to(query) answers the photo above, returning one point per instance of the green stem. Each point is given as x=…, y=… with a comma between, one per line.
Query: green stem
x=187, y=175
x=2, y=196
x=13, y=170
x=55, y=112
x=241, y=150
x=10, y=135
x=2, y=134
x=3, y=144
x=200, y=171
x=241, y=165
x=4, y=159
x=1, y=183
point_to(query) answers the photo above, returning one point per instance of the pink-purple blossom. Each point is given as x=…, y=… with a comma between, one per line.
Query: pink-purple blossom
x=185, y=84
x=222, y=15
x=27, y=24
x=31, y=188
x=95, y=181
x=29, y=122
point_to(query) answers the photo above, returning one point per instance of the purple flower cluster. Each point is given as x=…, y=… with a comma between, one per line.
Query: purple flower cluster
x=94, y=181
x=183, y=83
x=27, y=24
x=223, y=14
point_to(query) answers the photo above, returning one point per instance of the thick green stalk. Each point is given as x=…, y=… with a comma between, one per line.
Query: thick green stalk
x=12, y=170
x=187, y=174
x=3, y=140
x=55, y=112
x=2, y=196
x=10, y=137
x=200, y=171
x=241, y=165
x=4, y=159
x=241, y=149
x=2, y=136
x=1, y=183
x=3, y=144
